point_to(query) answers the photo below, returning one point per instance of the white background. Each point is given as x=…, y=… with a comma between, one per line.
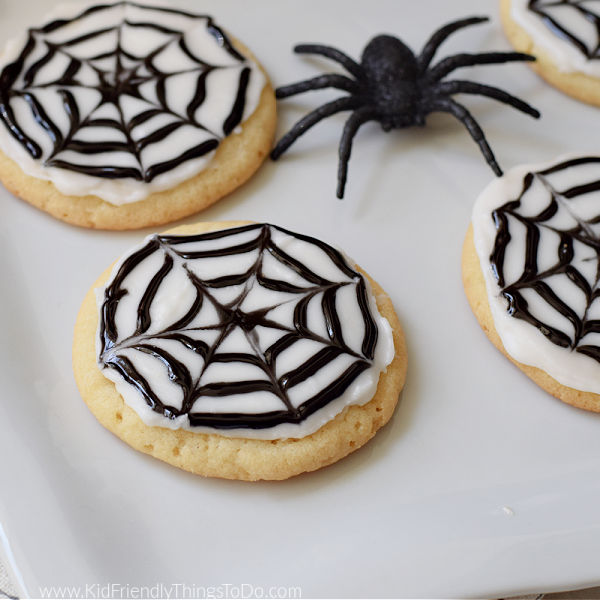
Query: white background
x=420, y=511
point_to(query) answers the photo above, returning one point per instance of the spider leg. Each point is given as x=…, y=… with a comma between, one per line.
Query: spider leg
x=312, y=118
x=340, y=82
x=450, y=63
x=435, y=41
x=469, y=87
x=332, y=53
x=356, y=119
x=466, y=118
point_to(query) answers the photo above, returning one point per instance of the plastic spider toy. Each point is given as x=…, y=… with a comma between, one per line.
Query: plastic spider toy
x=399, y=89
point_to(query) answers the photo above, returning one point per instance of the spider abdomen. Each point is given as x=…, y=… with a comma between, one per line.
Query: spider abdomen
x=387, y=57
x=391, y=71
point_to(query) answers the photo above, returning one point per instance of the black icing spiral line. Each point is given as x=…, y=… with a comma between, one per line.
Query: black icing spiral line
x=537, y=281
x=230, y=316
x=18, y=81
x=582, y=7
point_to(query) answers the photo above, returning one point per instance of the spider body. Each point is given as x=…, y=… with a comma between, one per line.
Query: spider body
x=391, y=73
x=397, y=88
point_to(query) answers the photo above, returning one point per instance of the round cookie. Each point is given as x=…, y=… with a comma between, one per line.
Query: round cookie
x=163, y=135
x=216, y=455
x=539, y=308
x=560, y=62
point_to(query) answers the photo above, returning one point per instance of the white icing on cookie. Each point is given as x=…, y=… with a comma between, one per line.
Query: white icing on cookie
x=249, y=332
x=537, y=235
x=542, y=21
x=122, y=100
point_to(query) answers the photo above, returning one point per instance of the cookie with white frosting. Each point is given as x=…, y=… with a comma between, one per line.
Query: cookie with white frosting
x=531, y=271
x=564, y=36
x=242, y=351
x=127, y=115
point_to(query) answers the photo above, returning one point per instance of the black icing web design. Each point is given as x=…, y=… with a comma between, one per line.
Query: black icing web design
x=135, y=101
x=186, y=350
x=557, y=292
x=585, y=11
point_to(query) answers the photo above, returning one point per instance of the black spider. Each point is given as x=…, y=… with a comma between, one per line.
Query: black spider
x=393, y=86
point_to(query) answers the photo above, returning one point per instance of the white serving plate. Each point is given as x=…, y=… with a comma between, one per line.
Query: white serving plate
x=481, y=485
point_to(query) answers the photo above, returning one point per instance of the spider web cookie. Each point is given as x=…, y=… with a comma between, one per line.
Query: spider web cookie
x=265, y=345
x=537, y=235
x=125, y=100
x=564, y=36
x=569, y=19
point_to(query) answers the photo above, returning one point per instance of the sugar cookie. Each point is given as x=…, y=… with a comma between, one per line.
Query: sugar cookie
x=124, y=115
x=563, y=36
x=248, y=352
x=531, y=272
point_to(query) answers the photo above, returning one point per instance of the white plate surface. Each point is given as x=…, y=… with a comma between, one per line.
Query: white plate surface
x=481, y=485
